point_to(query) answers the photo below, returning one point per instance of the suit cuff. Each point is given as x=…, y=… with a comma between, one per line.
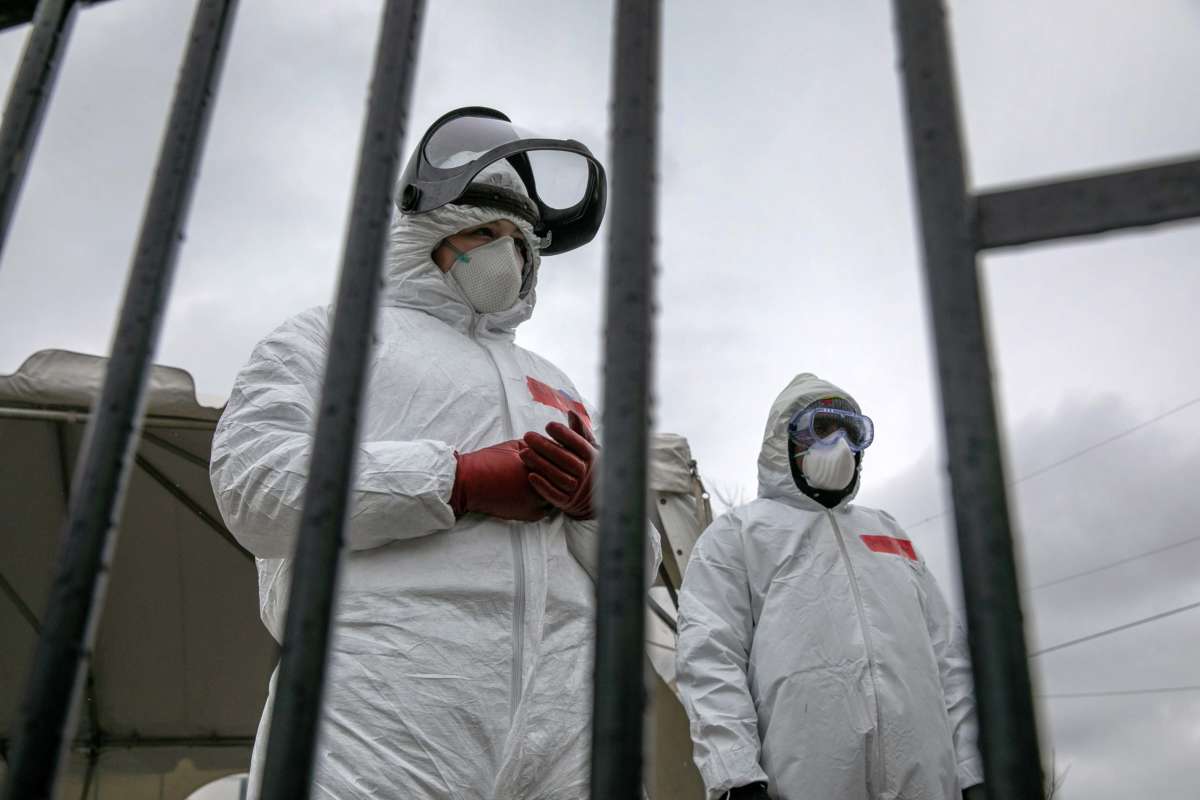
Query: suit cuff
x=970, y=772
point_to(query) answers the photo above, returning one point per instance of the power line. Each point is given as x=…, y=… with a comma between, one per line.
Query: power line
x=1124, y=627
x=1112, y=564
x=1075, y=455
x=1123, y=692
x=1109, y=440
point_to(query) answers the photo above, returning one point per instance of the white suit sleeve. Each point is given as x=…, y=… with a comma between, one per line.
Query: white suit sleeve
x=715, y=635
x=262, y=445
x=954, y=665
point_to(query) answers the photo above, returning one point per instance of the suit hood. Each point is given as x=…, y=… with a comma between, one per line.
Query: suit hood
x=774, y=473
x=413, y=280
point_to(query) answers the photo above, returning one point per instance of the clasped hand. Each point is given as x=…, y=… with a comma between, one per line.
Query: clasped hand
x=523, y=479
x=561, y=467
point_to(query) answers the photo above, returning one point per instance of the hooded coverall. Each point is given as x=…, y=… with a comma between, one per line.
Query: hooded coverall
x=816, y=652
x=460, y=659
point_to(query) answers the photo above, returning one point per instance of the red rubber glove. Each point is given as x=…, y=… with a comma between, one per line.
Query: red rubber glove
x=494, y=481
x=560, y=468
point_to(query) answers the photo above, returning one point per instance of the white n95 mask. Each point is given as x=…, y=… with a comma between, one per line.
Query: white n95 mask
x=829, y=466
x=490, y=275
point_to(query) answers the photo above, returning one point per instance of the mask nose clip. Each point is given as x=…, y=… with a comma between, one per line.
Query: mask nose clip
x=459, y=255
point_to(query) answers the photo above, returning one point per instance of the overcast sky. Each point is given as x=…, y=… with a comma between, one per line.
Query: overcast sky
x=787, y=245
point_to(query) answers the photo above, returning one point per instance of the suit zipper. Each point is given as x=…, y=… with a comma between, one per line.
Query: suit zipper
x=866, y=632
x=518, y=549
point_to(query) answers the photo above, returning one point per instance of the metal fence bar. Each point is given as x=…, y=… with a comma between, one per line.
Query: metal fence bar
x=619, y=690
x=28, y=98
x=989, y=574
x=89, y=537
x=296, y=711
x=1093, y=204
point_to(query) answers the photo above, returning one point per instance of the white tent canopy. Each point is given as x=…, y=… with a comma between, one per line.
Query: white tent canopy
x=181, y=661
x=178, y=677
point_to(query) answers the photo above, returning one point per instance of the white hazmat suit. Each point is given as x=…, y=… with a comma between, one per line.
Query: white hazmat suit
x=461, y=650
x=816, y=652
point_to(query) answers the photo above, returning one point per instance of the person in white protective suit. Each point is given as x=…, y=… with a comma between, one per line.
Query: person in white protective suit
x=461, y=646
x=817, y=659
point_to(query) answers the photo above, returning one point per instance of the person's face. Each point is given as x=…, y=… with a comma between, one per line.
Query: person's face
x=823, y=426
x=469, y=239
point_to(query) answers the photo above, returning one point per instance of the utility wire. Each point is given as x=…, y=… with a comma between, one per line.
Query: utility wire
x=1124, y=627
x=1112, y=564
x=1109, y=440
x=1073, y=456
x=1123, y=692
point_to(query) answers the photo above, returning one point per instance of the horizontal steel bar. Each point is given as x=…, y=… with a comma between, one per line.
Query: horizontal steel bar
x=28, y=98
x=18, y=12
x=1008, y=728
x=83, y=417
x=102, y=471
x=1088, y=205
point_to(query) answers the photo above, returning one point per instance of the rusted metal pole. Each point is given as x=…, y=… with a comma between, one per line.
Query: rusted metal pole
x=1090, y=204
x=28, y=98
x=296, y=713
x=1008, y=728
x=620, y=694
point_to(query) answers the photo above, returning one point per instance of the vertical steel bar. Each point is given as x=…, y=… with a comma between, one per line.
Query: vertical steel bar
x=619, y=692
x=89, y=537
x=28, y=98
x=989, y=574
x=296, y=712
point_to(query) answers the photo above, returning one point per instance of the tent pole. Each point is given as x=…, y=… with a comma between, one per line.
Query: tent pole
x=22, y=608
x=183, y=497
x=93, y=760
x=175, y=449
x=83, y=416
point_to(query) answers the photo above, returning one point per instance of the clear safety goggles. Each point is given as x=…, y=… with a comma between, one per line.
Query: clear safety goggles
x=822, y=424
x=566, y=184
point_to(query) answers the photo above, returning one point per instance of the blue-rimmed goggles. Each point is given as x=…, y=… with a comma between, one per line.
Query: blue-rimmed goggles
x=823, y=424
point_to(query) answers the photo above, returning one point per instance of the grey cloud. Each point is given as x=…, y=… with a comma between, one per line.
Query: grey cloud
x=1121, y=499
x=787, y=244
